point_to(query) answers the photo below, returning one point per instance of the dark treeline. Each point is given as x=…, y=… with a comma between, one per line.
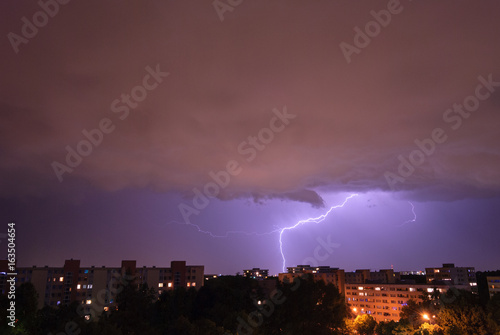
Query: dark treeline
x=232, y=305
x=225, y=305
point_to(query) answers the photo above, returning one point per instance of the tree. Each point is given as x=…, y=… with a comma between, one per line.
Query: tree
x=463, y=320
x=364, y=324
x=493, y=310
x=385, y=327
x=429, y=329
x=404, y=328
x=311, y=307
x=462, y=315
x=135, y=307
x=224, y=299
x=26, y=306
x=413, y=313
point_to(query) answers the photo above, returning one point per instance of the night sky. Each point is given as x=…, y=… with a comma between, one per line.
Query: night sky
x=290, y=106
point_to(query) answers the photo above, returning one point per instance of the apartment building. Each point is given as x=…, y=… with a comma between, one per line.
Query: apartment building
x=493, y=285
x=256, y=273
x=381, y=294
x=385, y=301
x=365, y=276
x=327, y=274
x=96, y=287
x=454, y=275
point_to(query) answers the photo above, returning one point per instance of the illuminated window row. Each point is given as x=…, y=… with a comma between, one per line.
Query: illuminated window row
x=79, y=286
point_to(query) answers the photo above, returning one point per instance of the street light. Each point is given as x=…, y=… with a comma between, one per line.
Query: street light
x=427, y=317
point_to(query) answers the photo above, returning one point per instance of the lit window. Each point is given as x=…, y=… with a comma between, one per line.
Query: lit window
x=89, y=286
x=193, y=284
x=169, y=284
x=87, y=317
x=188, y=284
x=78, y=286
x=84, y=286
x=360, y=288
x=61, y=278
x=106, y=308
x=160, y=285
x=88, y=302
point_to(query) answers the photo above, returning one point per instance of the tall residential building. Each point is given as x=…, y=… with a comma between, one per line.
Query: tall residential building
x=256, y=273
x=327, y=274
x=381, y=294
x=366, y=276
x=385, y=301
x=454, y=275
x=493, y=285
x=96, y=287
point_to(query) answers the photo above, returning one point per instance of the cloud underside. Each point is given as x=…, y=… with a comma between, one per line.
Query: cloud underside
x=357, y=125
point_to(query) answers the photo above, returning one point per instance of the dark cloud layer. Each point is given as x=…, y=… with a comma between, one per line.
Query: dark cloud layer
x=352, y=120
x=263, y=109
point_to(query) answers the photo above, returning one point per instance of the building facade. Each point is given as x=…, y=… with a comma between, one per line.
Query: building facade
x=366, y=276
x=327, y=274
x=493, y=285
x=385, y=301
x=381, y=294
x=256, y=273
x=95, y=288
x=461, y=276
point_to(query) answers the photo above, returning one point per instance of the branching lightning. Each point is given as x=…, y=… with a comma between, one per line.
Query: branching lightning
x=279, y=230
x=230, y=232
x=309, y=220
x=276, y=230
x=414, y=215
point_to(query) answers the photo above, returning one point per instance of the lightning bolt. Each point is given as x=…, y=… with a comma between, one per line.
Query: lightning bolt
x=317, y=219
x=414, y=215
x=309, y=220
x=230, y=232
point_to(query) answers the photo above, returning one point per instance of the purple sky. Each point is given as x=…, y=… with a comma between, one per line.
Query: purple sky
x=351, y=121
